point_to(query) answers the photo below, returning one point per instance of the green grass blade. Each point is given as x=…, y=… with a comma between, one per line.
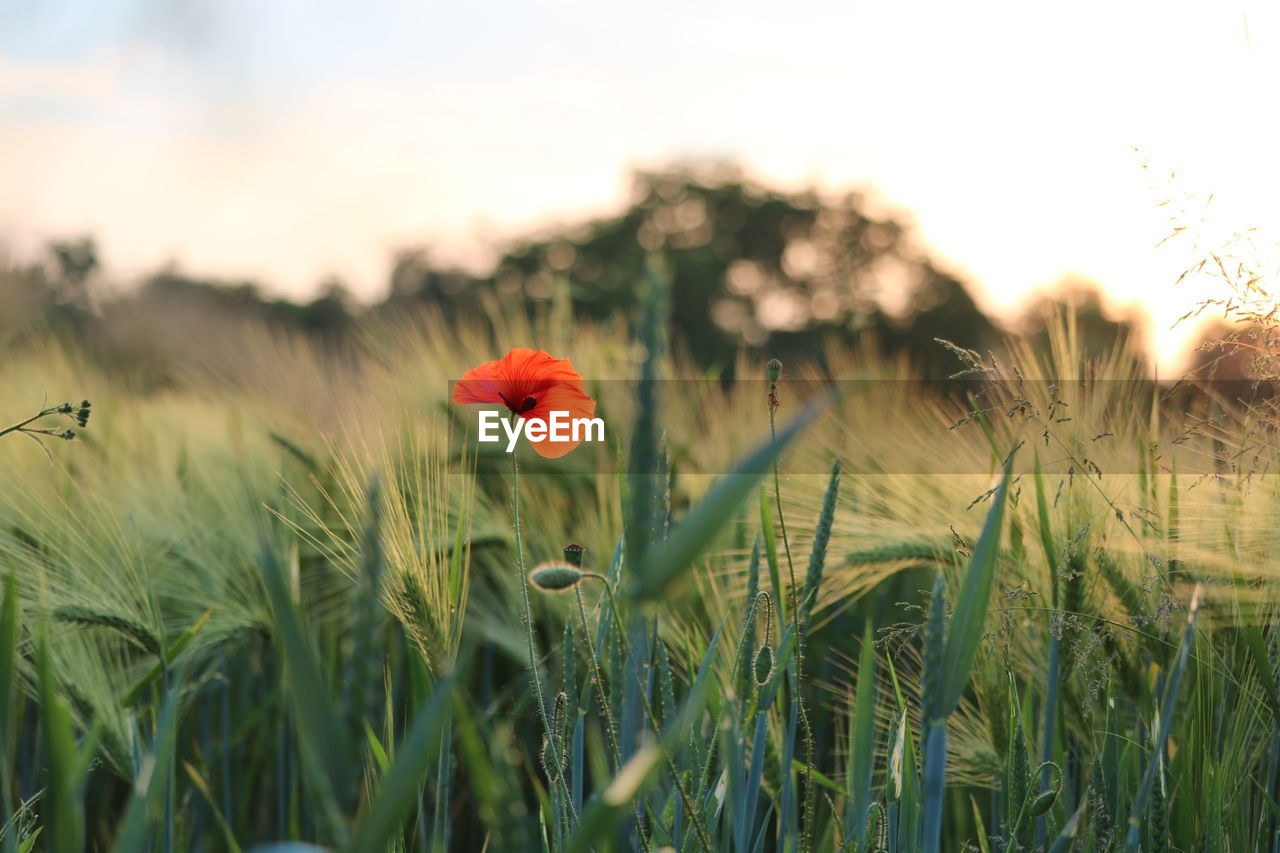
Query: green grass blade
x=935, y=781
x=399, y=790
x=65, y=810
x=969, y=613
x=771, y=552
x=909, y=799
x=202, y=786
x=983, y=845
x=605, y=810
x=157, y=669
x=323, y=735
x=862, y=730
x=645, y=484
x=1133, y=838
x=1257, y=646
x=696, y=531
x=8, y=663
x=1045, y=528
x=151, y=783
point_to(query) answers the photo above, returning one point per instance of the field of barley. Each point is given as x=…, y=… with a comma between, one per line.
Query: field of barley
x=290, y=603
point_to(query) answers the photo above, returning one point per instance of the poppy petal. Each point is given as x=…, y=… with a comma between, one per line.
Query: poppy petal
x=533, y=384
x=478, y=385
x=560, y=398
x=525, y=373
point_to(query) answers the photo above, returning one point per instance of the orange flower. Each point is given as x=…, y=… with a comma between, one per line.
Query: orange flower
x=532, y=384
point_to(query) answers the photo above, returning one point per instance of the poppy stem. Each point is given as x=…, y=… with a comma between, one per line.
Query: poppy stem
x=797, y=660
x=777, y=499
x=527, y=615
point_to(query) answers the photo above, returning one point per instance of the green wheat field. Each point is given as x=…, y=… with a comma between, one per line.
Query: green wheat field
x=294, y=605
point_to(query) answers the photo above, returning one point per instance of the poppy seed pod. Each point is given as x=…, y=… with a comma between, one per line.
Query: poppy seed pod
x=773, y=369
x=573, y=554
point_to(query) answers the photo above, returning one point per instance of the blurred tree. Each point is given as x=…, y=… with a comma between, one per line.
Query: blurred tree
x=50, y=296
x=329, y=316
x=770, y=269
x=783, y=272
x=1098, y=331
x=415, y=279
x=177, y=323
x=74, y=263
x=27, y=300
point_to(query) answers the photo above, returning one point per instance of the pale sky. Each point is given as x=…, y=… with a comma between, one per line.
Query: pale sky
x=290, y=141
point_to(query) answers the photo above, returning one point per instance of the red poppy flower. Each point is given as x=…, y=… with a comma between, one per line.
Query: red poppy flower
x=532, y=384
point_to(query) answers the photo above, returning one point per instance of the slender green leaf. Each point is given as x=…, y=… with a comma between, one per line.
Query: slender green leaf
x=323, y=735
x=151, y=782
x=862, y=730
x=399, y=789
x=699, y=528
x=968, y=616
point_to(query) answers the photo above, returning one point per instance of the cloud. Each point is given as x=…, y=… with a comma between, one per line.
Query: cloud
x=56, y=81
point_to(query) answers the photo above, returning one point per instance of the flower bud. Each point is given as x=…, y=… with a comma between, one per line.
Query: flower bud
x=1042, y=803
x=555, y=577
x=764, y=665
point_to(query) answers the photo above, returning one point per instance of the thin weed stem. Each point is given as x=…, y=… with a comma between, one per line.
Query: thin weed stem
x=777, y=498
x=21, y=425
